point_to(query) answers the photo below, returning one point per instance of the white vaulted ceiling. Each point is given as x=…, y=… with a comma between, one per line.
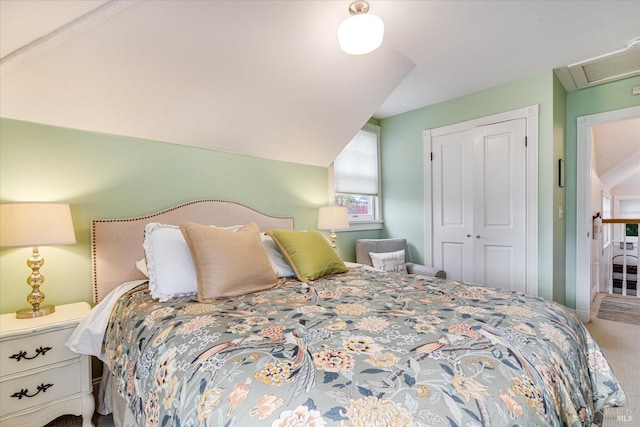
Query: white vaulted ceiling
x=266, y=78
x=617, y=153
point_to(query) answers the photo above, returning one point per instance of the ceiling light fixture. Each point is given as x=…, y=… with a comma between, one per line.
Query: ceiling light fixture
x=361, y=33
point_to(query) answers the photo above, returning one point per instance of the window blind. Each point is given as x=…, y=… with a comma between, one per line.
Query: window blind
x=356, y=167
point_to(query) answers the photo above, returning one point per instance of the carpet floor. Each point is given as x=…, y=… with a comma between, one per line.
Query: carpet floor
x=618, y=308
x=620, y=343
x=73, y=421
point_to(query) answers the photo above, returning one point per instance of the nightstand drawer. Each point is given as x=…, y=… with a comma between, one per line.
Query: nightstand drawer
x=40, y=378
x=33, y=351
x=39, y=388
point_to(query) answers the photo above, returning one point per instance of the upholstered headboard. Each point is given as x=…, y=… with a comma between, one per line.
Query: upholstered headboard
x=116, y=244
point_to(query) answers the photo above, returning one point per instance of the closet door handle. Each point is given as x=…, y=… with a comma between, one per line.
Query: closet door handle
x=468, y=235
x=477, y=236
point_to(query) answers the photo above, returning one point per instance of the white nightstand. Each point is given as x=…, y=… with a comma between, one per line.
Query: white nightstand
x=40, y=378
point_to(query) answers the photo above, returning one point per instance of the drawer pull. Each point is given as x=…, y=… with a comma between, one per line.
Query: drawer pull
x=23, y=354
x=25, y=391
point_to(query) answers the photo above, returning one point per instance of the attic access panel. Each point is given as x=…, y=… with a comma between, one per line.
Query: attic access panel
x=614, y=66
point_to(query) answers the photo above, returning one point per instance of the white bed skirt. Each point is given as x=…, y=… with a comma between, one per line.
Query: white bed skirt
x=110, y=402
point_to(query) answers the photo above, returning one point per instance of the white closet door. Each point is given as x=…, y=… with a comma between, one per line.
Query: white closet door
x=499, y=204
x=453, y=204
x=479, y=204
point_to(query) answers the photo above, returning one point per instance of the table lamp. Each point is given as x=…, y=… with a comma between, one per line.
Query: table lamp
x=35, y=224
x=333, y=218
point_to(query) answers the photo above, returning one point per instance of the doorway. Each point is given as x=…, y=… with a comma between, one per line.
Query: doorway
x=584, y=287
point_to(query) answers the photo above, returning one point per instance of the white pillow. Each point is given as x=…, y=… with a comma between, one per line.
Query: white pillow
x=389, y=261
x=278, y=263
x=169, y=262
x=141, y=265
x=169, y=265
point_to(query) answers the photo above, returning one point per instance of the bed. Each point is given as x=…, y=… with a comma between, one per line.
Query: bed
x=347, y=345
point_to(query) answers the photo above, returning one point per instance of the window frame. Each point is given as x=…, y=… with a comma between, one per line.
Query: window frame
x=620, y=232
x=368, y=223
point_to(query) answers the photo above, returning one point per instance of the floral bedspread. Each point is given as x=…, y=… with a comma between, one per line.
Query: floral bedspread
x=358, y=349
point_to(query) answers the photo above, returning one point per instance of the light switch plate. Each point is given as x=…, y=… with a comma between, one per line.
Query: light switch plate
x=636, y=90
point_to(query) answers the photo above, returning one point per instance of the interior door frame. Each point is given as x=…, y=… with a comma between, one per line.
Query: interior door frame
x=583, y=202
x=529, y=113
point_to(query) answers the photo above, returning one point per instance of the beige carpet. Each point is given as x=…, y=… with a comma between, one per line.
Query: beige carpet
x=620, y=343
x=72, y=421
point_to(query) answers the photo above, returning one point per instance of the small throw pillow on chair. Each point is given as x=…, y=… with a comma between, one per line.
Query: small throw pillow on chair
x=389, y=261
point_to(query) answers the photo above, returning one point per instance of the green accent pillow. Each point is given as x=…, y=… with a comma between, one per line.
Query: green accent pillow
x=308, y=253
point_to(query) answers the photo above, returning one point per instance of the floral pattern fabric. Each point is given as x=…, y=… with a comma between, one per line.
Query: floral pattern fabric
x=358, y=349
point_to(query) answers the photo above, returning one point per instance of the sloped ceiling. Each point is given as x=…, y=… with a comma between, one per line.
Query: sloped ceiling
x=617, y=153
x=266, y=78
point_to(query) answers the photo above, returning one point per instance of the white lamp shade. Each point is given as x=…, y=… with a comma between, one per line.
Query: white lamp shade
x=360, y=34
x=333, y=218
x=35, y=224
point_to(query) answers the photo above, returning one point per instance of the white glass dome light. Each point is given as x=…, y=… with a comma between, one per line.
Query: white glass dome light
x=361, y=33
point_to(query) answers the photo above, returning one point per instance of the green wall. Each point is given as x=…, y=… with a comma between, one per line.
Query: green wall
x=594, y=100
x=559, y=193
x=104, y=176
x=403, y=171
x=108, y=176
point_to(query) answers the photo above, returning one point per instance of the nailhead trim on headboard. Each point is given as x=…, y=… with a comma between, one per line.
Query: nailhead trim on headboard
x=218, y=205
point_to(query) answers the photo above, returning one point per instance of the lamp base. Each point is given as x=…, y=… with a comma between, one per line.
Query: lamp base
x=30, y=313
x=333, y=239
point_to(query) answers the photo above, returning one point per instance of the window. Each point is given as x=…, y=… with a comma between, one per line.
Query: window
x=356, y=177
x=630, y=208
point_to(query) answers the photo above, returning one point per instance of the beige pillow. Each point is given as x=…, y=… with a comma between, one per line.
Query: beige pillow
x=228, y=263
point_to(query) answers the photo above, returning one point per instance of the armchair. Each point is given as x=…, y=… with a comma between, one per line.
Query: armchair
x=364, y=246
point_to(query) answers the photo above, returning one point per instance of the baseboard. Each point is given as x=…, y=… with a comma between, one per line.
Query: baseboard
x=584, y=316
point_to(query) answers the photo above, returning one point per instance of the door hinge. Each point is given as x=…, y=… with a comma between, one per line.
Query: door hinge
x=526, y=141
x=431, y=156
